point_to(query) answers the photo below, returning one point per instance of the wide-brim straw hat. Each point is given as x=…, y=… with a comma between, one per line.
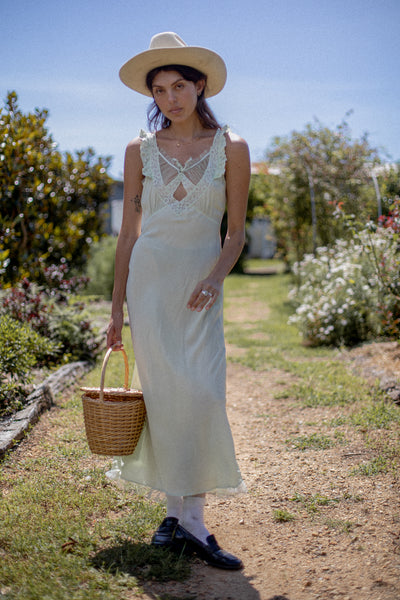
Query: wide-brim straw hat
x=169, y=49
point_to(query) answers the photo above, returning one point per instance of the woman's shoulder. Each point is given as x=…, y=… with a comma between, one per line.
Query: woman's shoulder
x=140, y=153
x=144, y=136
x=134, y=145
x=233, y=139
x=137, y=145
x=236, y=146
x=133, y=154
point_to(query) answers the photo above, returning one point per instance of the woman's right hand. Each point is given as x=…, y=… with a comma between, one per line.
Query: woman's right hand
x=114, y=330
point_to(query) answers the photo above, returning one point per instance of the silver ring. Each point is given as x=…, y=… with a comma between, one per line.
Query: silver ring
x=206, y=293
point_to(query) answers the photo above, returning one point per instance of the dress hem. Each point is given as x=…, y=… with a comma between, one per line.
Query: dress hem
x=114, y=474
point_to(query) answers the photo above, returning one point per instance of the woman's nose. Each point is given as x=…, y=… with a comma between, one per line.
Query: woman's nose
x=171, y=96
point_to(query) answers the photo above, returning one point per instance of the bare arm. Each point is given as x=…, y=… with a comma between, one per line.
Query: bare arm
x=129, y=233
x=237, y=188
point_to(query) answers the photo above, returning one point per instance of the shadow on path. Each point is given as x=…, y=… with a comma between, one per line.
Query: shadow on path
x=142, y=561
x=205, y=583
x=164, y=575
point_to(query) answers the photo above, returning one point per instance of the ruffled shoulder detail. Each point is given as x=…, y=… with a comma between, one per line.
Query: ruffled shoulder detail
x=218, y=156
x=147, y=153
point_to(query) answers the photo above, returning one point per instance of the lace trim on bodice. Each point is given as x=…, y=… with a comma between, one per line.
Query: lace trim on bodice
x=168, y=174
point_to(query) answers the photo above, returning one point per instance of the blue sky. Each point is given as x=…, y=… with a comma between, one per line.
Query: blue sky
x=288, y=62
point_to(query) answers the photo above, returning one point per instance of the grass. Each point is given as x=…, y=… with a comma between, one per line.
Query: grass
x=327, y=383
x=254, y=264
x=312, y=502
x=68, y=533
x=342, y=526
x=278, y=337
x=314, y=441
x=380, y=464
x=282, y=515
x=380, y=414
x=311, y=396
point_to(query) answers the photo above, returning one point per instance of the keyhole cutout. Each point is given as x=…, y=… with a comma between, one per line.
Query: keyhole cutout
x=180, y=193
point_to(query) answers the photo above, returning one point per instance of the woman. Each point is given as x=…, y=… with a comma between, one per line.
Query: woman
x=170, y=266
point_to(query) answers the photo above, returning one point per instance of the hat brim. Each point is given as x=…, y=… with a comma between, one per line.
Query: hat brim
x=134, y=72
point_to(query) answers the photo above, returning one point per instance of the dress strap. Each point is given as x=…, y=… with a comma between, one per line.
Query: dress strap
x=148, y=154
x=218, y=154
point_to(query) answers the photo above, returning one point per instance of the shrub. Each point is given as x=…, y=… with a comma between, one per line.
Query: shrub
x=70, y=328
x=52, y=203
x=100, y=269
x=50, y=314
x=344, y=292
x=21, y=350
x=60, y=283
x=26, y=303
x=40, y=327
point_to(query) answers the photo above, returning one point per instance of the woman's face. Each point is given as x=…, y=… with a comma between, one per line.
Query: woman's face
x=175, y=96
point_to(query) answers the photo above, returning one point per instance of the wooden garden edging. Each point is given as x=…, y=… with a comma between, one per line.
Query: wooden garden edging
x=42, y=398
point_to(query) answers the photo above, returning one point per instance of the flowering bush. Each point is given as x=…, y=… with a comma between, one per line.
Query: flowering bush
x=60, y=284
x=27, y=303
x=39, y=327
x=49, y=313
x=349, y=292
x=392, y=221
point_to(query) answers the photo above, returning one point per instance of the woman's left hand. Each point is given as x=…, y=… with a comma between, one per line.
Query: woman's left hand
x=204, y=295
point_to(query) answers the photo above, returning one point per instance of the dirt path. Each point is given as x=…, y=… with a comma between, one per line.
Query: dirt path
x=347, y=549
x=344, y=542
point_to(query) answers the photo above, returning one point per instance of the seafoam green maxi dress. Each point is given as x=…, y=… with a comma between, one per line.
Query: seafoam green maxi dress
x=186, y=447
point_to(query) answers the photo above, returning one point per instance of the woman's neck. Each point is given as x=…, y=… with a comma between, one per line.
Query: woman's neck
x=188, y=131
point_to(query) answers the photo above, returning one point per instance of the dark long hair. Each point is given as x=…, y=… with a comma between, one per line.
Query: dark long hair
x=155, y=117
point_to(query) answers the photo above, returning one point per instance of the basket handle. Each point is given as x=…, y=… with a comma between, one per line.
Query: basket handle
x=115, y=348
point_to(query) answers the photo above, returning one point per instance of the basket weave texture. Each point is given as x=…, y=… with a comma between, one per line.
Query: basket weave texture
x=114, y=417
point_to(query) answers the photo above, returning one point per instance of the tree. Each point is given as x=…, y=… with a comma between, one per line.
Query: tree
x=317, y=169
x=50, y=202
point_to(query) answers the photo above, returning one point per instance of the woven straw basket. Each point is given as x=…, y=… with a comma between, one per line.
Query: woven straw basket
x=114, y=417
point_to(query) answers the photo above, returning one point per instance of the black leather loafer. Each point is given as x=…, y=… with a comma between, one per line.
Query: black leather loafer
x=210, y=552
x=164, y=534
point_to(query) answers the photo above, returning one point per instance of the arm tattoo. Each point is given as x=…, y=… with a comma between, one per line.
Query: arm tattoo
x=137, y=202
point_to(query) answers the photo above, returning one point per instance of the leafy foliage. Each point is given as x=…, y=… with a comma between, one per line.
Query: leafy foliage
x=21, y=349
x=27, y=303
x=39, y=328
x=51, y=203
x=389, y=182
x=310, y=172
x=70, y=327
x=51, y=314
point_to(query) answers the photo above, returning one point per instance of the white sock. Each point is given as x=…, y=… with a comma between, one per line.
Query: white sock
x=174, y=506
x=193, y=516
